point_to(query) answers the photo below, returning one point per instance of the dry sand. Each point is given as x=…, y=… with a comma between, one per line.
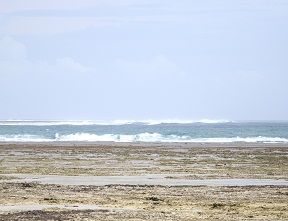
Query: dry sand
x=182, y=181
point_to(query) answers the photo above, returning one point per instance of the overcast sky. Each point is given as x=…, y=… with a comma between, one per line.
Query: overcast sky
x=144, y=59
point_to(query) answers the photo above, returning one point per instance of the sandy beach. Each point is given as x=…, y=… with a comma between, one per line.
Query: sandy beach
x=143, y=181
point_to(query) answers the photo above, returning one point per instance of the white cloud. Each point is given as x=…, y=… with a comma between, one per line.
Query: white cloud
x=16, y=67
x=151, y=79
x=57, y=25
x=14, y=22
x=28, y=5
x=51, y=25
x=200, y=15
x=70, y=64
x=12, y=50
x=159, y=66
x=66, y=67
x=18, y=5
x=14, y=54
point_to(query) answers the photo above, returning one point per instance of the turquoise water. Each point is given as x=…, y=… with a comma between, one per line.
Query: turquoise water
x=39, y=131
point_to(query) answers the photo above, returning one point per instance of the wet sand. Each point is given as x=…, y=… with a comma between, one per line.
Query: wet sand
x=143, y=181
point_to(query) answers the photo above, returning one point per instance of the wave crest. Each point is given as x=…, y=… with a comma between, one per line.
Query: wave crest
x=142, y=137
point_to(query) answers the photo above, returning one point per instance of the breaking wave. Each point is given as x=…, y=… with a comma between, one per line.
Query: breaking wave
x=142, y=137
x=23, y=138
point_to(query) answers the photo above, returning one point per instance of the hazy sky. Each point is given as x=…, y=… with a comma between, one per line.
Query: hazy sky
x=144, y=59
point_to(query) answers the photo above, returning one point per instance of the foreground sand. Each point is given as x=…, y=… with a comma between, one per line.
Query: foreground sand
x=33, y=199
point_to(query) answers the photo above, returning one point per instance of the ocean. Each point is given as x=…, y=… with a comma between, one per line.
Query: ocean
x=143, y=131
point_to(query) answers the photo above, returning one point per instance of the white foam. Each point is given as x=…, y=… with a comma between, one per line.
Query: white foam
x=142, y=137
x=23, y=138
x=156, y=137
x=87, y=137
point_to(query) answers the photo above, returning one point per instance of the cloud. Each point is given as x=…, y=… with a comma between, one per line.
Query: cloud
x=15, y=65
x=12, y=50
x=29, y=5
x=51, y=25
x=204, y=15
x=18, y=5
x=154, y=81
x=64, y=67
x=70, y=64
x=29, y=25
x=159, y=66
x=18, y=17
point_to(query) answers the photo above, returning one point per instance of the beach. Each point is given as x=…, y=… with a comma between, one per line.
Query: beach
x=143, y=181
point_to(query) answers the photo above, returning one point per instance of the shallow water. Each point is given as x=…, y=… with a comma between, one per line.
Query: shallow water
x=150, y=179
x=47, y=206
x=31, y=207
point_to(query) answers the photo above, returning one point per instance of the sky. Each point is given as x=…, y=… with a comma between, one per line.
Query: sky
x=144, y=59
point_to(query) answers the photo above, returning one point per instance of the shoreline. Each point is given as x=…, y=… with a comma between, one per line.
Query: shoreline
x=145, y=144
